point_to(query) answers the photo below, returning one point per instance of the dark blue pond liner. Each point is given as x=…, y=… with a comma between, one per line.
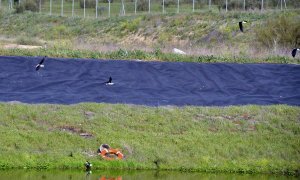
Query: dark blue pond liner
x=69, y=81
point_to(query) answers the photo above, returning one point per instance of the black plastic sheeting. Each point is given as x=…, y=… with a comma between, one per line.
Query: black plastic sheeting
x=68, y=81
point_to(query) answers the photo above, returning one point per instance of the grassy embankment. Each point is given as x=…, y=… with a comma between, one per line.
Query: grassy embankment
x=206, y=37
x=231, y=139
x=246, y=139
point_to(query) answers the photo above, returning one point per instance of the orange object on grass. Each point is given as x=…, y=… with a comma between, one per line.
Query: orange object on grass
x=110, y=153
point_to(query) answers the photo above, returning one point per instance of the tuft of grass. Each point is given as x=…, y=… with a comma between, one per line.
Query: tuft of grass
x=28, y=41
x=282, y=31
x=243, y=139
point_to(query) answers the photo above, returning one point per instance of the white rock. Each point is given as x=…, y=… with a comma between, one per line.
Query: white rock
x=178, y=51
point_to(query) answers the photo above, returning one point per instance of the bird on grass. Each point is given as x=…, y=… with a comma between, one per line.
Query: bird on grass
x=294, y=51
x=88, y=167
x=40, y=64
x=109, y=82
x=241, y=25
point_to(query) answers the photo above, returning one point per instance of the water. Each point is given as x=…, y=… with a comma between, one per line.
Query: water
x=125, y=175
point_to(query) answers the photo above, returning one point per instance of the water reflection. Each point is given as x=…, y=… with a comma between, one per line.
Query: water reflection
x=128, y=175
x=111, y=178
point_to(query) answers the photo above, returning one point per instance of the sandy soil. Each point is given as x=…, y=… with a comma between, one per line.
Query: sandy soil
x=18, y=46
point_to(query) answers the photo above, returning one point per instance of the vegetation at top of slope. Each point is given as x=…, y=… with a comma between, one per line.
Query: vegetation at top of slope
x=57, y=27
x=245, y=139
x=282, y=31
x=198, y=33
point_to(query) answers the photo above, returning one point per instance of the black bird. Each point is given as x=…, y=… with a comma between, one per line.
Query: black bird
x=109, y=82
x=241, y=25
x=294, y=51
x=88, y=167
x=40, y=65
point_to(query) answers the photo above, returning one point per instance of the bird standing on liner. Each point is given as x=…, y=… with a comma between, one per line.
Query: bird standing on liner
x=294, y=51
x=241, y=25
x=40, y=65
x=109, y=82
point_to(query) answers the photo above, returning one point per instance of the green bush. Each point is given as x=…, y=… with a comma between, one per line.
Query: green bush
x=283, y=31
x=101, y=9
x=142, y=5
x=88, y=3
x=31, y=5
x=130, y=26
x=170, y=3
x=20, y=8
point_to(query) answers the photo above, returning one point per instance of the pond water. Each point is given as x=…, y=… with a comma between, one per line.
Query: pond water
x=124, y=175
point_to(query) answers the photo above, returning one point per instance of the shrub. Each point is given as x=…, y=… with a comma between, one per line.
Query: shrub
x=88, y=3
x=131, y=26
x=31, y=5
x=20, y=8
x=143, y=5
x=283, y=31
x=101, y=10
x=169, y=3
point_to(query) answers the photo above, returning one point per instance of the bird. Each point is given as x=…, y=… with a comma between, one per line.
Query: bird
x=294, y=51
x=241, y=25
x=40, y=65
x=88, y=167
x=109, y=82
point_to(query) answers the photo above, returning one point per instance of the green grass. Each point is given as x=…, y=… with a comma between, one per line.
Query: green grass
x=246, y=139
x=156, y=55
x=201, y=33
